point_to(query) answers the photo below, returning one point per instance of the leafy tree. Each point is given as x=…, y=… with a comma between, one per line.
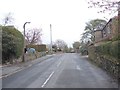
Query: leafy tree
x=88, y=35
x=84, y=47
x=76, y=45
x=66, y=48
x=90, y=27
x=12, y=43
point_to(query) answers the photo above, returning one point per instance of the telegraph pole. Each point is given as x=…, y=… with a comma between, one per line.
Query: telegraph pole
x=51, y=38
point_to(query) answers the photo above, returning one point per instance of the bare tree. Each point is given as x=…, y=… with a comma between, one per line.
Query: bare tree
x=8, y=19
x=105, y=5
x=33, y=36
x=60, y=44
x=111, y=6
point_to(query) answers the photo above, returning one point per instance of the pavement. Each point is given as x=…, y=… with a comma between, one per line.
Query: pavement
x=8, y=70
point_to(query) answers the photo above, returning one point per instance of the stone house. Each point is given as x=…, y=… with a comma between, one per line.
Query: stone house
x=108, y=31
x=98, y=35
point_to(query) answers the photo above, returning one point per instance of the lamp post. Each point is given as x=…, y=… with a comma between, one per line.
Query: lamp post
x=51, y=37
x=23, y=58
x=118, y=36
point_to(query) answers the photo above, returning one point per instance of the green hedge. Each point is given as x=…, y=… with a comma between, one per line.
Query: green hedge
x=110, y=48
x=39, y=48
x=116, y=37
x=12, y=43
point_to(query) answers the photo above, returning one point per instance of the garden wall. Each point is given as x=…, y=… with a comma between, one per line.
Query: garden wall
x=107, y=56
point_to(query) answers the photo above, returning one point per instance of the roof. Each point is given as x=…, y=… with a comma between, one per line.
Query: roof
x=107, y=24
x=104, y=26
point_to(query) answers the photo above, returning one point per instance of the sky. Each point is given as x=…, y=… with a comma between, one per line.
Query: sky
x=67, y=17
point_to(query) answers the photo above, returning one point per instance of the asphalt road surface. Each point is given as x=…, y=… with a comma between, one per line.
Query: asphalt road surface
x=68, y=70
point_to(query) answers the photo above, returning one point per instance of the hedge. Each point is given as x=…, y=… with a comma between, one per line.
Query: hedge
x=12, y=43
x=39, y=48
x=110, y=48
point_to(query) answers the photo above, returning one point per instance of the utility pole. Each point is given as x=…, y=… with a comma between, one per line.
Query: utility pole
x=51, y=38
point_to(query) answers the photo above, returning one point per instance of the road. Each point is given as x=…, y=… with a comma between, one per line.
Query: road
x=67, y=70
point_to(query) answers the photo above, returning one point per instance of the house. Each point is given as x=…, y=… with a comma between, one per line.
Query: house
x=98, y=35
x=108, y=31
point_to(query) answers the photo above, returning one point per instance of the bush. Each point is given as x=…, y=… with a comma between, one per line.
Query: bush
x=109, y=48
x=12, y=43
x=116, y=37
x=115, y=49
x=39, y=48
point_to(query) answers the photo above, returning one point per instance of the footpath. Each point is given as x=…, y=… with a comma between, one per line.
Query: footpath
x=8, y=70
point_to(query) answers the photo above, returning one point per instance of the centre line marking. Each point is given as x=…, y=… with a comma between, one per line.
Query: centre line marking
x=47, y=79
x=78, y=68
x=58, y=64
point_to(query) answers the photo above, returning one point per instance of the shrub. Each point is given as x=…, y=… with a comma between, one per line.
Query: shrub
x=115, y=49
x=109, y=48
x=39, y=48
x=116, y=37
x=12, y=43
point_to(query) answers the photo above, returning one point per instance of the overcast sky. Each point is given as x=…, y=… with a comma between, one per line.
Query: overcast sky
x=68, y=17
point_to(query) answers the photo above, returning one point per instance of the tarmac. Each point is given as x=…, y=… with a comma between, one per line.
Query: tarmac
x=8, y=70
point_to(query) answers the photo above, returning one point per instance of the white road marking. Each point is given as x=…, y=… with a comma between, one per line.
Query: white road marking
x=58, y=64
x=47, y=79
x=78, y=68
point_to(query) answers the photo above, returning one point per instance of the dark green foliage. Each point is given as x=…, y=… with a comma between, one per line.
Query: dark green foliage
x=115, y=38
x=12, y=43
x=106, y=56
x=84, y=50
x=115, y=49
x=109, y=48
x=76, y=45
x=91, y=27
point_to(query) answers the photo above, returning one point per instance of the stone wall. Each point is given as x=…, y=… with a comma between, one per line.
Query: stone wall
x=30, y=56
x=106, y=62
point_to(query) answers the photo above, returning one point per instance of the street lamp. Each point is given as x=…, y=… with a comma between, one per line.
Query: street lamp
x=51, y=36
x=23, y=59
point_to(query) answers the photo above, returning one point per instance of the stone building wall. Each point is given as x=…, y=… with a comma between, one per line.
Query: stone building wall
x=98, y=35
